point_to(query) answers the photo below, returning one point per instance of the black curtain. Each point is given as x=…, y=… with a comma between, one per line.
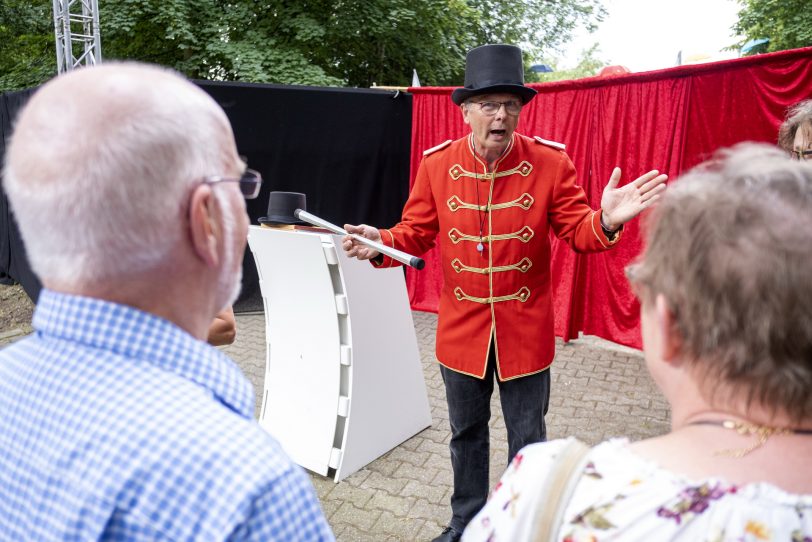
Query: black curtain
x=14, y=265
x=347, y=150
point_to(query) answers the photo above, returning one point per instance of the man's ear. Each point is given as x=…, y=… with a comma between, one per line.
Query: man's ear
x=671, y=340
x=203, y=226
x=464, y=111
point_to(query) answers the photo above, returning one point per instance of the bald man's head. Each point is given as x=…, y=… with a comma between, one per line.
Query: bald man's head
x=100, y=165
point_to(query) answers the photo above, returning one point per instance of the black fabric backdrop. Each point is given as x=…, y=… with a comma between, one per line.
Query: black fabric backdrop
x=13, y=261
x=347, y=150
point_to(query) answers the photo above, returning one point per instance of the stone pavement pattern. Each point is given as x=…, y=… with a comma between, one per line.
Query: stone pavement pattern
x=599, y=390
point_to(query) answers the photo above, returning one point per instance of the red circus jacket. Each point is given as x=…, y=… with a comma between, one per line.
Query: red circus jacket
x=504, y=291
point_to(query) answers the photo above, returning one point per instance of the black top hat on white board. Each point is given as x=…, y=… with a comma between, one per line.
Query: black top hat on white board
x=490, y=69
x=281, y=206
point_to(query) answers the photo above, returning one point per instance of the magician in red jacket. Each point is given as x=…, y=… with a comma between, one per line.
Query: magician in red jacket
x=490, y=199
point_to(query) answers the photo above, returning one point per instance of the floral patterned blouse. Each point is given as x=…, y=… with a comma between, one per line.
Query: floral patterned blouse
x=622, y=496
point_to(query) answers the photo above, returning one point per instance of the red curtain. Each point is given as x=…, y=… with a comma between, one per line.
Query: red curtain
x=668, y=120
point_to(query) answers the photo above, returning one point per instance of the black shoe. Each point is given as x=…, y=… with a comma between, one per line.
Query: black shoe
x=448, y=535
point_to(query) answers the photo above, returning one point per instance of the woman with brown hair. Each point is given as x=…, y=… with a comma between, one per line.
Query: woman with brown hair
x=795, y=133
x=726, y=311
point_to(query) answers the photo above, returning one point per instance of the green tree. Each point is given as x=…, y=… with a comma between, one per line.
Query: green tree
x=382, y=41
x=786, y=23
x=310, y=42
x=27, y=53
x=589, y=64
x=540, y=26
x=215, y=39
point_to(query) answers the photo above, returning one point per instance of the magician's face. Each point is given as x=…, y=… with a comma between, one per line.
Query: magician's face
x=493, y=119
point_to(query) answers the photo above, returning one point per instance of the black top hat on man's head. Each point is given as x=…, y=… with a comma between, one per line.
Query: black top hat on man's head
x=491, y=69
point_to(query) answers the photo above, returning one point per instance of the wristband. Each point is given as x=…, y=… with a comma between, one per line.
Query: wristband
x=606, y=228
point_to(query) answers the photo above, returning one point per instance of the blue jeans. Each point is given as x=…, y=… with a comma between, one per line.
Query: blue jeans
x=524, y=403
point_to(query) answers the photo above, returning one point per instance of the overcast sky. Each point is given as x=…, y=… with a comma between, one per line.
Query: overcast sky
x=647, y=35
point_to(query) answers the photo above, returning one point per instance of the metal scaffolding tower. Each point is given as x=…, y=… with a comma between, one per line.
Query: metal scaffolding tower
x=76, y=27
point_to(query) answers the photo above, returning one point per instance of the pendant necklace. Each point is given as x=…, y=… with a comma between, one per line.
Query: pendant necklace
x=759, y=432
x=480, y=246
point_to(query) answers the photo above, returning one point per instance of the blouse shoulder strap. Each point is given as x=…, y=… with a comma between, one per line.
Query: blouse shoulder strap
x=557, y=490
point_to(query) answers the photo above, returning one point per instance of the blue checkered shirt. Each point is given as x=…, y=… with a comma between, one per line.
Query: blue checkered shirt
x=118, y=425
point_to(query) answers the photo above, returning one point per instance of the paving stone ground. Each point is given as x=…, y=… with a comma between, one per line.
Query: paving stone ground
x=599, y=390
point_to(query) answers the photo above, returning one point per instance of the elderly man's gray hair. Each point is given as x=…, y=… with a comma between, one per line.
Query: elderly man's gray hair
x=101, y=163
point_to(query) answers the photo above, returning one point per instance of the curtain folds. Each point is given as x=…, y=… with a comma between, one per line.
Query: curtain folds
x=668, y=120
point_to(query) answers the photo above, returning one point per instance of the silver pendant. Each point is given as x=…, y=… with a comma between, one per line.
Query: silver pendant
x=480, y=247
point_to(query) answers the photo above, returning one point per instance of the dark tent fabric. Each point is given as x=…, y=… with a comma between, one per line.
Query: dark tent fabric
x=14, y=265
x=347, y=150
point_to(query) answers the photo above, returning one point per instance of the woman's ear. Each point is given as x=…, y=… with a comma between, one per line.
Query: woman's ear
x=671, y=340
x=203, y=225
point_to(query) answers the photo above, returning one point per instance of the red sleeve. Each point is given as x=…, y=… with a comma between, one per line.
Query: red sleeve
x=571, y=217
x=417, y=230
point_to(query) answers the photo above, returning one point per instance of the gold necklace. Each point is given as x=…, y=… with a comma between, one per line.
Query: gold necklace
x=760, y=432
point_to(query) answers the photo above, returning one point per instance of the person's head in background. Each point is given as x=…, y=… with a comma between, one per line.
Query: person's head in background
x=112, y=175
x=726, y=298
x=795, y=133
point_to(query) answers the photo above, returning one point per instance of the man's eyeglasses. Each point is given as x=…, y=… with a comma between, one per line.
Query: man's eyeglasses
x=512, y=107
x=250, y=182
x=801, y=155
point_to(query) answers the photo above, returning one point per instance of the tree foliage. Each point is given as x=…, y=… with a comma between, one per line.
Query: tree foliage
x=382, y=41
x=27, y=53
x=589, y=64
x=786, y=23
x=541, y=27
x=309, y=42
x=213, y=39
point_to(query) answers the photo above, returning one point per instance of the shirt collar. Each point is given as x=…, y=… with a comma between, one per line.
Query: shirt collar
x=138, y=335
x=502, y=156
